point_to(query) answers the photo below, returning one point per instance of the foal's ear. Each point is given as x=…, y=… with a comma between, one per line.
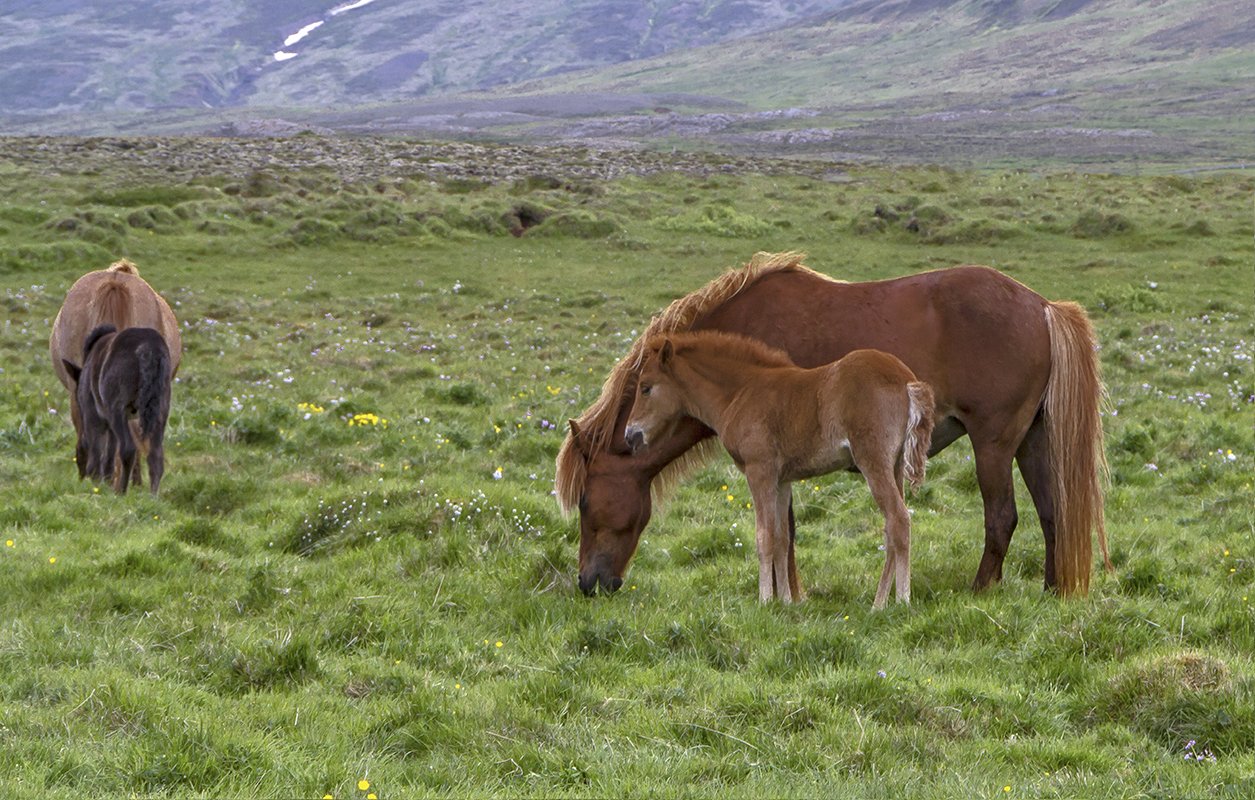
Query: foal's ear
x=664, y=355
x=73, y=370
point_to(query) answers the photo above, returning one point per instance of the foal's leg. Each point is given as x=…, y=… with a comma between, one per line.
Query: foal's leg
x=888, y=495
x=763, y=521
x=771, y=576
x=126, y=448
x=795, y=583
x=141, y=445
x=156, y=461
x=782, y=547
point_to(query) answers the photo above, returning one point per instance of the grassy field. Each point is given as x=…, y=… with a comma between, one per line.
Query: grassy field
x=356, y=581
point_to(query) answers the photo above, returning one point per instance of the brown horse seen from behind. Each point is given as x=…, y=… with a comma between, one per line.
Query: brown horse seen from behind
x=1018, y=374
x=116, y=296
x=782, y=423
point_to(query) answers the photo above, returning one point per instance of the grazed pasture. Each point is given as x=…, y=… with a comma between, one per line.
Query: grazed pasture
x=355, y=580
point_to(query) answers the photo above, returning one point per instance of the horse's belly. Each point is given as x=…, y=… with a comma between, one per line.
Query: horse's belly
x=829, y=459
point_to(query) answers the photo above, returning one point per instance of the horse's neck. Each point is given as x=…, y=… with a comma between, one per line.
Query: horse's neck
x=712, y=381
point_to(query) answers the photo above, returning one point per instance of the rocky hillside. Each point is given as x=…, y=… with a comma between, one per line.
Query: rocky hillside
x=82, y=56
x=1077, y=82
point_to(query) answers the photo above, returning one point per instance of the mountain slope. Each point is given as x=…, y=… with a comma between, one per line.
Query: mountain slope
x=1072, y=81
x=77, y=55
x=873, y=52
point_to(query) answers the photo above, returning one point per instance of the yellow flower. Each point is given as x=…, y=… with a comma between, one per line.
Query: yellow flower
x=363, y=784
x=52, y=560
x=731, y=498
x=8, y=542
x=371, y=796
x=499, y=644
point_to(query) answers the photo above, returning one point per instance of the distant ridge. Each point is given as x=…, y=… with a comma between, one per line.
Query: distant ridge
x=955, y=81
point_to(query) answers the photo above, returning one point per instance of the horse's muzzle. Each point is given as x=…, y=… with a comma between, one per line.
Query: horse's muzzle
x=634, y=436
x=589, y=583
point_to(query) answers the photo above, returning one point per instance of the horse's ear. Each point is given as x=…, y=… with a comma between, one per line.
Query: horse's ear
x=73, y=370
x=664, y=355
x=577, y=439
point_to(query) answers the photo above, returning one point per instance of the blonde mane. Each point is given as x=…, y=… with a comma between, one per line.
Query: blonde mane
x=735, y=345
x=597, y=423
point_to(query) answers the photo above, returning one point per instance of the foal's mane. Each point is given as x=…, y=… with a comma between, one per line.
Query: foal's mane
x=730, y=345
x=96, y=333
x=597, y=423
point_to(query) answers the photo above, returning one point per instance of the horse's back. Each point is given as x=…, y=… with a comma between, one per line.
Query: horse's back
x=116, y=296
x=978, y=337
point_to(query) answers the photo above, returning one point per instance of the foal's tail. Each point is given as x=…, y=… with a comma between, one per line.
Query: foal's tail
x=152, y=405
x=1074, y=394
x=919, y=432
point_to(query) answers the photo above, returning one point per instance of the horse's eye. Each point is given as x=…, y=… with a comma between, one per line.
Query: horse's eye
x=645, y=390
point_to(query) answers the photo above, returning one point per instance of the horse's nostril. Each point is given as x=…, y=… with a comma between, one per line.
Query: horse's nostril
x=588, y=584
x=635, y=438
x=613, y=584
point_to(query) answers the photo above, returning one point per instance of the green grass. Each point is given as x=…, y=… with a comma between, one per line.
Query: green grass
x=311, y=603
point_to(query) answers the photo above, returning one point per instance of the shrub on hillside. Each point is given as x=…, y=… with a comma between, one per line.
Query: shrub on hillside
x=54, y=255
x=576, y=224
x=1094, y=224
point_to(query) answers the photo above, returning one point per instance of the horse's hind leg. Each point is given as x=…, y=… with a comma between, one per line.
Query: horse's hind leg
x=1034, y=460
x=993, y=472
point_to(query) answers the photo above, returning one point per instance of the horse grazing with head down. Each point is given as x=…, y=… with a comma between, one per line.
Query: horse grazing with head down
x=782, y=423
x=116, y=296
x=123, y=376
x=1016, y=373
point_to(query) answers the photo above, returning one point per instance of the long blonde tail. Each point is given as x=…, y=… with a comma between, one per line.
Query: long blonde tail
x=919, y=432
x=1078, y=465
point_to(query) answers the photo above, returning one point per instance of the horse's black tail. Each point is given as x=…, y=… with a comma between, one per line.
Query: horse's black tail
x=153, y=403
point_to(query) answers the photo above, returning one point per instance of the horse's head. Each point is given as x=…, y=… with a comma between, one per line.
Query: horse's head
x=614, y=508
x=658, y=405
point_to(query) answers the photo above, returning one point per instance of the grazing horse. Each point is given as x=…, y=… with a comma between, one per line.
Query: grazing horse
x=1015, y=372
x=782, y=423
x=124, y=375
x=116, y=296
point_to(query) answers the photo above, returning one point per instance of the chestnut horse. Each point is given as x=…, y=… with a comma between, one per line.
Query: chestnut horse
x=116, y=296
x=1015, y=372
x=124, y=376
x=781, y=423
